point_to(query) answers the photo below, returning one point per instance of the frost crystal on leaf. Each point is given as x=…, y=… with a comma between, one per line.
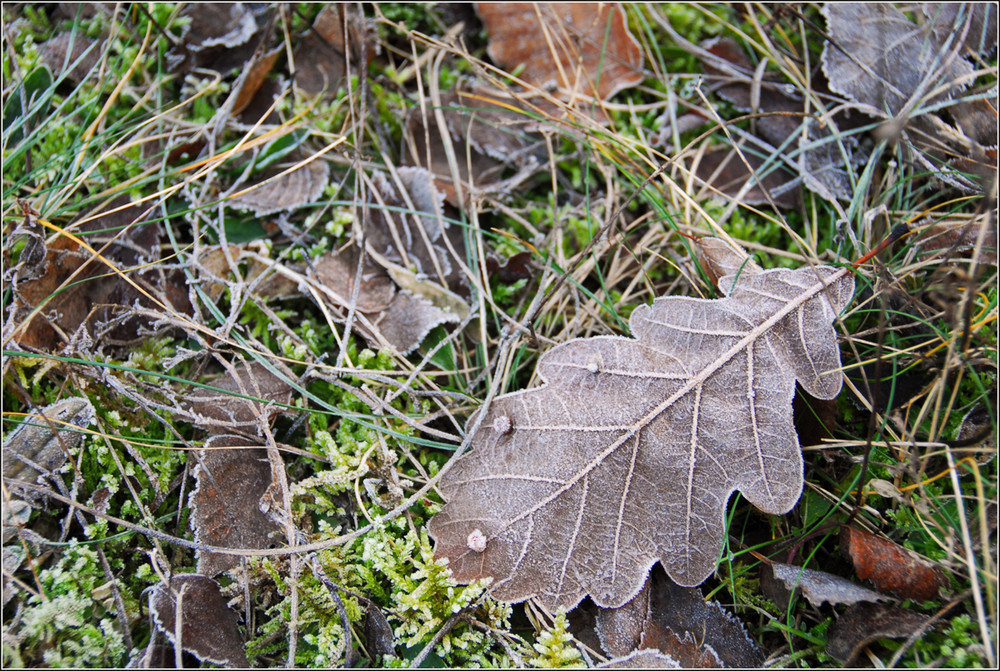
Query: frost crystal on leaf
x=601, y=476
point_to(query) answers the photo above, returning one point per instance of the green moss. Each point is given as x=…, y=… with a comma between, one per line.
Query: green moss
x=72, y=622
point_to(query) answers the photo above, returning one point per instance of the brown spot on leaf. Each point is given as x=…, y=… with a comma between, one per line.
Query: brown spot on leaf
x=891, y=568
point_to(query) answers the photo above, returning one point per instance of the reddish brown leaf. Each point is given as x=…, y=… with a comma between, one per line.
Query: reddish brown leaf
x=577, y=46
x=891, y=568
x=260, y=68
x=865, y=623
x=233, y=474
x=208, y=627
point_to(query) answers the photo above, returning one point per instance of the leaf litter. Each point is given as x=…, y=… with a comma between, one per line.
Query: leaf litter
x=504, y=137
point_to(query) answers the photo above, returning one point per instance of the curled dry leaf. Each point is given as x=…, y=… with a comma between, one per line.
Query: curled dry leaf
x=490, y=135
x=678, y=622
x=399, y=317
x=891, y=568
x=42, y=442
x=818, y=587
x=865, y=623
x=233, y=474
x=209, y=628
x=579, y=47
x=97, y=301
x=629, y=452
x=321, y=56
x=303, y=183
x=241, y=399
x=220, y=36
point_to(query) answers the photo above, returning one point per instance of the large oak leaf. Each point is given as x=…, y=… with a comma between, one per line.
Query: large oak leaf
x=629, y=452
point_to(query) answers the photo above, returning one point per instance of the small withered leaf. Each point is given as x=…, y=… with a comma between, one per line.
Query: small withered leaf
x=286, y=191
x=240, y=399
x=219, y=36
x=819, y=587
x=321, y=57
x=488, y=133
x=338, y=270
x=209, y=629
x=628, y=453
x=397, y=316
x=99, y=299
x=678, y=622
x=579, y=47
x=233, y=474
x=73, y=53
x=891, y=568
x=865, y=623
x=45, y=438
x=725, y=171
x=643, y=659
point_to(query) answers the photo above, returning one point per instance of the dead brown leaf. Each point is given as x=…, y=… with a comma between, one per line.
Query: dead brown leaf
x=291, y=185
x=818, y=587
x=636, y=444
x=891, y=568
x=241, y=399
x=678, y=622
x=233, y=475
x=321, y=56
x=865, y=623
x=397, y=316
x=95, y=305
x=72, y=53
x=491, y=136
x=209, y=629
x=579, y=47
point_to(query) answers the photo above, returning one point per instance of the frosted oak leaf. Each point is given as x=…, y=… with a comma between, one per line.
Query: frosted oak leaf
x=629, y=452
